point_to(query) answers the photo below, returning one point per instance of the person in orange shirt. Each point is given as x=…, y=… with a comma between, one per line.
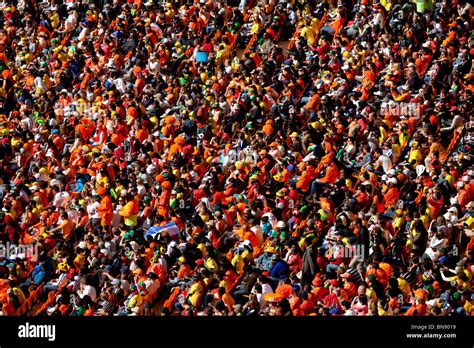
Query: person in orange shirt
x=305, y=179
x=185, y=270
x=106, y=212
x=142, y=134
x=327, y=158
x=378, y=272
x=228, y=300
x=130, y=211
x=367, y=82
x=314, y=101
x=285, y=289
x=392, y=194
x=250, y=236
x=463, y=195
x=176, y=147
x=330, y=176
x=87, y=78
x=435, y=147
x=65, y=225
x=157, y=268
x=469, y=186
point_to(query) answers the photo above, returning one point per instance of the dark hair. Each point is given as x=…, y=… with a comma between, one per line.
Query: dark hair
x=285, y=306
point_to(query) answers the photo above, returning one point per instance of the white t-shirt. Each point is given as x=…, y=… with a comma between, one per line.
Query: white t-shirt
x=266, y=289
x=385, y=162
x=89, y=291
x=60, y=198
x=93, y=210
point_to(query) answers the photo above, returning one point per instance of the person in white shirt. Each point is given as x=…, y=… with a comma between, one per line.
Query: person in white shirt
x=266, y=288
x=60, y=198
x=257, y=290
x=383, y=161
x=86, y=290
x=93, y=211
x=151, y=283
x=71, y=21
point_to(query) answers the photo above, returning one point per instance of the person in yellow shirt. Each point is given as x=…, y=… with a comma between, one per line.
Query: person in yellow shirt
x=462, y=279
x=195, y=294
x=255, y=28
x=54, y=19
x=402, y=96
x=387, y=4
x=238, y=262
x=135, y=299
x=222, y=54
x=16, y=290
x=398, y=219
x=469, y=306
x=309, y=34
x=415, y=157
x=447, y=176
x=404, y=286
x=316, y=25
x=210, y=264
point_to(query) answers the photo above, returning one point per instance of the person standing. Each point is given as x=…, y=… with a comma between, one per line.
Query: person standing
x=309, y=265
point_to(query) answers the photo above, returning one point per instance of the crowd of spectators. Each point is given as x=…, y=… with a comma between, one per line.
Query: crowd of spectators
x=292, y=157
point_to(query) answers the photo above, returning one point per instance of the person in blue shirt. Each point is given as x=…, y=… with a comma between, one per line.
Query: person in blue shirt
x=266, y=227
x=279, y=270
x=39, y=275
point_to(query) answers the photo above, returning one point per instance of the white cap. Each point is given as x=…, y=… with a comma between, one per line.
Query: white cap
x=460, y=184
x=466, y=178
x=281, y=224
x=82, y=245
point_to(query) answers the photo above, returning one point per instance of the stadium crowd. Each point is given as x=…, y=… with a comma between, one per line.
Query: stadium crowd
x=291, y=157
